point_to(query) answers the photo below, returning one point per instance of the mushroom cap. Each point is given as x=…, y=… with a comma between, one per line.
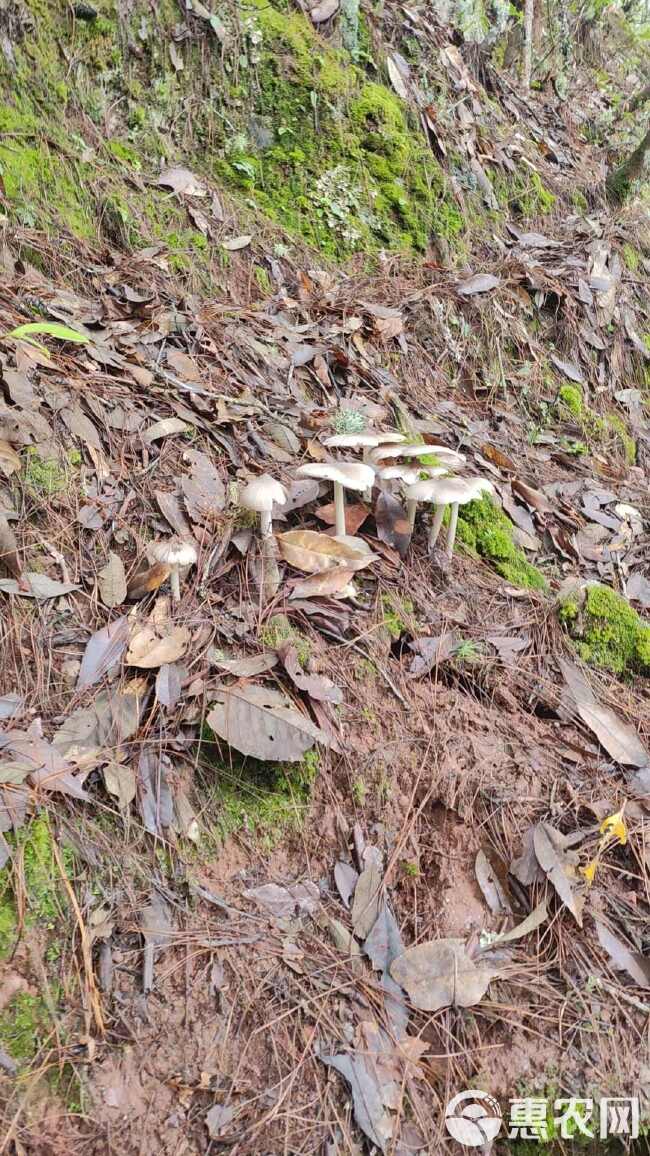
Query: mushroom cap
x=449, y=457
x=408, y=474
x=446, y=490
x=174, y=552
x=351, y=475
x=362, y=440
x=261, y=493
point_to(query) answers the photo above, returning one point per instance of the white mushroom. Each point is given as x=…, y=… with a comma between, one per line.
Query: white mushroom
x=345, y=476
x=446, y=457
x=176, y=554
x=260, y=495
x=444, y=492
x=366, y=441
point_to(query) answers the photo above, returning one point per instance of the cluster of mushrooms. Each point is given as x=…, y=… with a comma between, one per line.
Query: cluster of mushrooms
x=386, y=458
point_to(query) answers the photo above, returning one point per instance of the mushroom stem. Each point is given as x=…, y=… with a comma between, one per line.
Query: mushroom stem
x=411, y=507
x=266, y=523
x=451, y=532
x=339, y=508
x=175, y=583
x=435, y=525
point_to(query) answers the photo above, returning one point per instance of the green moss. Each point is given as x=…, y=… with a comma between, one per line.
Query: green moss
x=24, y=1027
x=632, y=257
x=524, y=192
x=279, y=630
x=579, y=201
x=570, y=398
x=42, y=882
x=484, y=528
x=615, y=427
x=264, y=799
x=397, y=614
x=607, y=631
x=43, y=477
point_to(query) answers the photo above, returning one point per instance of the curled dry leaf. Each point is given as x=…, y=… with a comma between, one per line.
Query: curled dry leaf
x=366, y=902
x=168, y=685
x=537, y=916
x=262, y=723
x=148, y=648
x=119, y=780
x=558, y=869
x=312, y=552
x=491, y=886
x=103, y=650
x=234, y=243
x=112, y=582
x=439, y=974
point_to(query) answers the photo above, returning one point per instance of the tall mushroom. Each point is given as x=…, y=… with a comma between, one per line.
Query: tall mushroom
x=176, y=554
x=345, y=476
x=367, y=442
x=446, y=491
x=260, y=495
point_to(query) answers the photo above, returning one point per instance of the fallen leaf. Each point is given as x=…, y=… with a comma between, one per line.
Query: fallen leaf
x=392, y=523
x=184, y=366
x=319, y=585
x=163, y=429
x=182, y=181
x=366, y=902
x=145, y=581
x=498, y=458
x=439, y=973
x=370, y=1111
x=9, y=549
x=488, y=880
x=323, y=11
x=155, y=802
x=619, y=738
x=246, y=667
x=479, y=283
x=396, y=78
x=235, y=243
x=170, y=509
x=103, y=650
x=262, y=723
x=112, y=582
x=317, y=686
x=204, y=492
x=558, y=870
x=157, y=929
x=119, y=780
x=623, y=958
x=384, y=943
x=9, y=459
x=35, y=585
x=355, y=514
x=537, y=916
x=638, y=589
x=218, y=1119
x=568, y=369
x=148, y=649
x=312, y=552
x=345, y=878
x=90, y=735
x=168, y=685
x=431, y=652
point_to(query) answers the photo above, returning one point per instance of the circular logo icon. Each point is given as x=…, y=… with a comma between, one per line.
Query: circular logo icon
x=473, y=1118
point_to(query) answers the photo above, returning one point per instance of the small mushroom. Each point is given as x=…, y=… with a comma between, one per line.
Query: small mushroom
x=176, y=554
x=260, y=495
x=345, y=476
x=366, y=441
x=446, y=491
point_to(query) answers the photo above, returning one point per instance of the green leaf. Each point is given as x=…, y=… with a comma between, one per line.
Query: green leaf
x=48, y=328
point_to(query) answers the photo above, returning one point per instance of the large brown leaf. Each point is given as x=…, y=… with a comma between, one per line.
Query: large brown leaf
x=306, y=550
x=112, y=582
x=439, y=974
x=619, y=738
x=149, y=648
x=262, y=723
x=103, y=650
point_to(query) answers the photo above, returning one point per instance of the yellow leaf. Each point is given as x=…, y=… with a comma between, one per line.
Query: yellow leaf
x=589, y=871
x=613, y=827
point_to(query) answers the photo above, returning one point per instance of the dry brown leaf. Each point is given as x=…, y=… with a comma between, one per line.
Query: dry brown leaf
x=103, y=650
x=112, y=582
x=204, y=492
x=392, y=523
x=262, y=723
x=623, y=958
x=558, y=869
x=182, y=181
x=440, y=974
x=320, y=585
x=119, y=780
x=234, y=243
x=148, y=649
x=317, y=686
x=619, y=738
x=9, y=459
x=479, y=283
x=306, y=550
x=164, y=429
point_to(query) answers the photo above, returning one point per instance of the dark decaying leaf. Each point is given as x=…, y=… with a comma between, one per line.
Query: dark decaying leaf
x=392, y=523
x=366, y=901
x=119, y=780
x=31, y=757
x=619, y=738
x=262, y=723
x=638, y=589
x=282, y=902
x=103, y=650
x=558, y=869
x=170, y=509
x=317, y=686
x=157, y=928
x=525, y=867
x=370, y=1111
x=439, y=973
x=155, y=802
x=431, y=652
x=623, y=958
x=89, y=735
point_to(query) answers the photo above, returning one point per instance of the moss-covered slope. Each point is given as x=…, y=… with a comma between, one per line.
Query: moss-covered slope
x=93, y=104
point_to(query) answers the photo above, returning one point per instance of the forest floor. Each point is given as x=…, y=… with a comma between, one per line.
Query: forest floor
x=448, y=886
